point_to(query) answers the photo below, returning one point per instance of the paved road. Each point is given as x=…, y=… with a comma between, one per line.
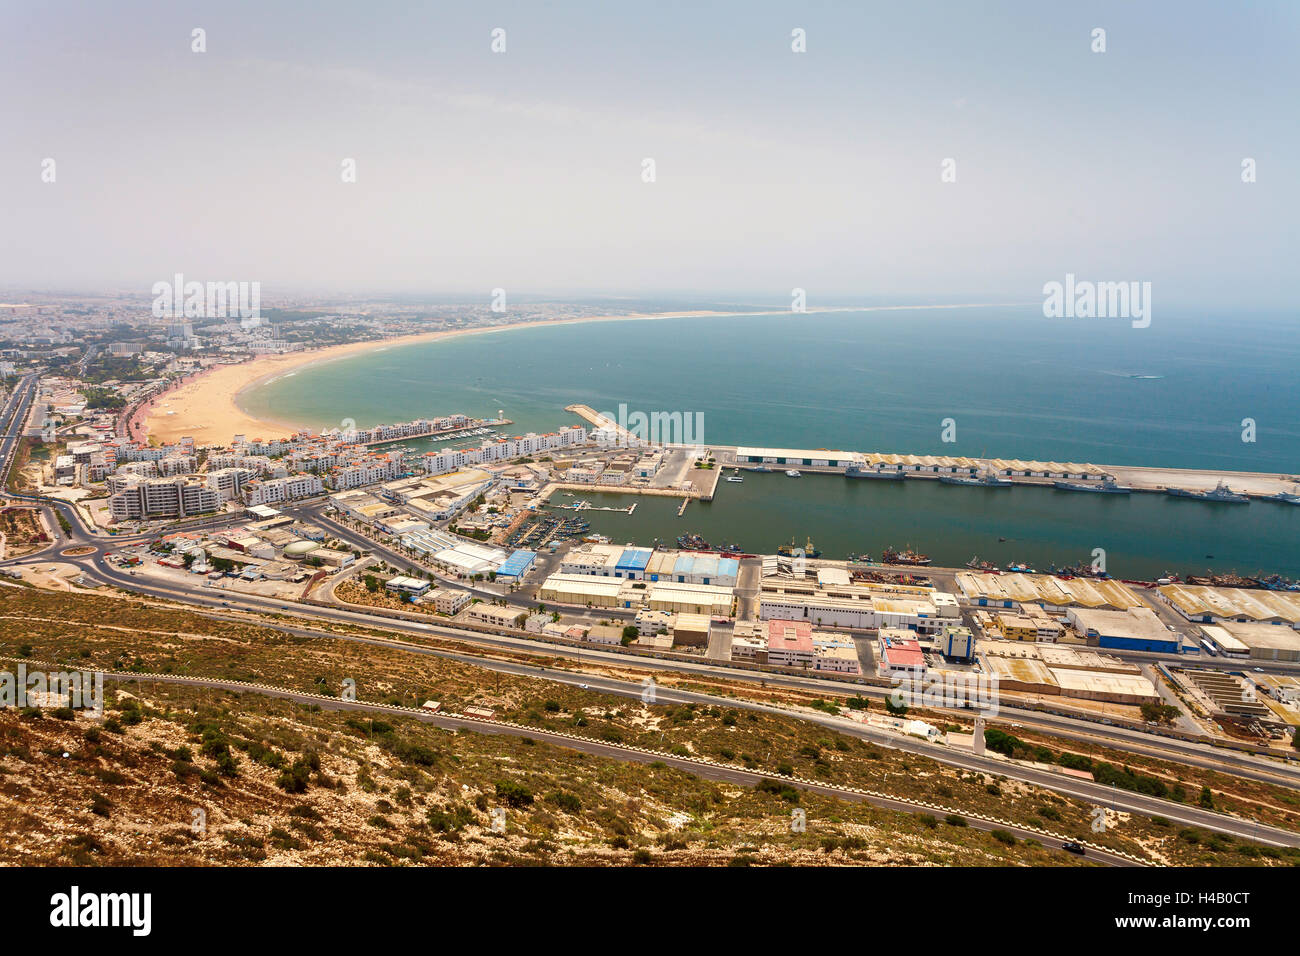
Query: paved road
x=616, y=752
x=95, y=566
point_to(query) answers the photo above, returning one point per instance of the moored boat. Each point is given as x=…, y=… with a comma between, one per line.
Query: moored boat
x=1107, y=486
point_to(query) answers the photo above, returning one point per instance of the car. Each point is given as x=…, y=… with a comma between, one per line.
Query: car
x=1259, y=670
x=1072, y=847
x=583, y=687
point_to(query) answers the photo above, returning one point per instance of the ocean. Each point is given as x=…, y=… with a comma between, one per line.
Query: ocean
x=1000, y=381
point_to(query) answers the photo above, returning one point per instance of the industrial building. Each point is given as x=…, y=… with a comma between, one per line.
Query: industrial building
x=1138, y=629
x=1215, y=605
x=705, y=569
x=516, y=566
x=862, y=606
x=690, y=598
x=835, y=653
x=1053, y=670
x=582, y=589
x=790, y=644
x=900, y=655
x=956, y=643
x=813, y=458
x=1011, y=590
x=467, y=560
x=636, y=564
x=1260, y=642
x=690, y=630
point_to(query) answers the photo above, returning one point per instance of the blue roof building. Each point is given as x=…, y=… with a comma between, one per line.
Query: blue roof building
x=516, y=566
x=632, y=563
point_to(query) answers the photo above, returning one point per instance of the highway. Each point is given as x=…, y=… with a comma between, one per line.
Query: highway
x=708, y=771
x=94, y=565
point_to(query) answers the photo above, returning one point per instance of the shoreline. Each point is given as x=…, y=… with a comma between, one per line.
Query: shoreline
x=206, y=406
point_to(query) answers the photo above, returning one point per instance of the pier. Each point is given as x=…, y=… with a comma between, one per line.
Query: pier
x=1018, y=472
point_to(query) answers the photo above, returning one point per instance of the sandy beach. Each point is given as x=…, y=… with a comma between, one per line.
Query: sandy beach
x=205, y=407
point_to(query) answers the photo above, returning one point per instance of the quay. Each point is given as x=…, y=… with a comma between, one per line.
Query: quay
x=1015, y=471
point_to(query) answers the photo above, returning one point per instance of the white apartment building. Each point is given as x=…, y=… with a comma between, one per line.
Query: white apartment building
x=161, y=498
x=266, y=491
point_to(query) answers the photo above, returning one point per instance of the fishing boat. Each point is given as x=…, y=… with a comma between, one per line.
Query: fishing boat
x=791, y=550
x=906, y=556
x=1107, y=486
x=975, y=564
x=693, y=542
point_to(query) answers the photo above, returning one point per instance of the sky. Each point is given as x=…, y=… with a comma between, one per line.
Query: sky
x=773, y=170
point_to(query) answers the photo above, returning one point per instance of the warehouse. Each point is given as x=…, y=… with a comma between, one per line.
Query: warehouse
x=1011, y=590
x=516, y=566
x=1261, y=642
x=1138, y=629
x=660, y=567
x=706, y=569
x=1113, y=688
x=469, y=559
x=813, y=458
x=690, y=598
x=598, y=560
x=1021, y=675
x=583, y=589
x=631, y=563
x=1214, y=605
x=1223, y=643
x=690, y=630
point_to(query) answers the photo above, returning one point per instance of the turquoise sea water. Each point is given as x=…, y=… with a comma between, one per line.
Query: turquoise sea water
x=1015, y=384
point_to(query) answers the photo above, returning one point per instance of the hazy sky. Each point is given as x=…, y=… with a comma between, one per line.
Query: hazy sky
x=774, y=169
